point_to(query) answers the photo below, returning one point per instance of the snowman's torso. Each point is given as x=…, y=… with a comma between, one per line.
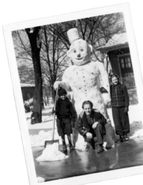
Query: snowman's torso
x=84, y=82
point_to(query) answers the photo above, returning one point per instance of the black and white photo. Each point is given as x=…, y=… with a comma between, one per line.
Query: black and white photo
x=78, y=92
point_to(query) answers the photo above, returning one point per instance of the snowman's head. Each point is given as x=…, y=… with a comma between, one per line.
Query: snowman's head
x=80, y=52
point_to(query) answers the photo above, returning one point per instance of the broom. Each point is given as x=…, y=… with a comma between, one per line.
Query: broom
x=54, y=119
x=54, y=116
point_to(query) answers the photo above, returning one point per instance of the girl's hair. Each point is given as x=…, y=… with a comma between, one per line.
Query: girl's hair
x=87, y=102
x=114, y=75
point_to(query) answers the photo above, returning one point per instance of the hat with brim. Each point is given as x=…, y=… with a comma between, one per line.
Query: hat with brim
x=62, y=92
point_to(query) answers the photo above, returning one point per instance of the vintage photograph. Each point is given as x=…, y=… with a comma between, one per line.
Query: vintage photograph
x=78, y=88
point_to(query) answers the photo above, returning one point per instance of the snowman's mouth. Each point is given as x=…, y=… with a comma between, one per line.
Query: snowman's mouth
x=79, y=58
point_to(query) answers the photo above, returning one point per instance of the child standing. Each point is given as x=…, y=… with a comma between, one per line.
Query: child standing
x=120, y=104
x=66, y=116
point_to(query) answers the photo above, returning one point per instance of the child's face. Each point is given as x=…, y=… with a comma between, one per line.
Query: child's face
x=63, y=97
x=87, y=109
x=115, y=80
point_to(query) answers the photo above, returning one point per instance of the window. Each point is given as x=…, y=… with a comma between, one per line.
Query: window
x=126, y=71
x=122, y=63
x=125, y=65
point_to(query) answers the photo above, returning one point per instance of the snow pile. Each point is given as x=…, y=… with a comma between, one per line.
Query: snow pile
x=39, y=139
x=138, y=134
x=51, y=153
x=81, y=144
x=136, y=129
x=40, y=179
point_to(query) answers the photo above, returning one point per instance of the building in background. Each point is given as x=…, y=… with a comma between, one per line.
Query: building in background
x=118, y=56
x=27, y=91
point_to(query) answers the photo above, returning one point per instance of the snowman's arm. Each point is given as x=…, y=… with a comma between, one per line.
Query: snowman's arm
x=104, y=83
x=104, y=79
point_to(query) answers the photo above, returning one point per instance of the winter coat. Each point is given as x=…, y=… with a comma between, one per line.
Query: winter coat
x=65, y=109
x=119, y=95
x=84, y=125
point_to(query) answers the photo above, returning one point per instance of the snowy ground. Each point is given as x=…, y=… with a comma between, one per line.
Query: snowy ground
x=39, y=133
x=47, y=119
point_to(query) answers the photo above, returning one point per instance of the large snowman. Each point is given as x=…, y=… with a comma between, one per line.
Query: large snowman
x=85, y=78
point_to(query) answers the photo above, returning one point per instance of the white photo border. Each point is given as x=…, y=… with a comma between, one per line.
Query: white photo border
x=19, y=101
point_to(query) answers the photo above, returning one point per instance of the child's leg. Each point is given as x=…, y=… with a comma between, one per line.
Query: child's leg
x=125, y=124
x=60, y=130
x=63, y=140
x=62, y=143
x=117, y=121
x=70, y=142
x=69, y=139
x=62, y=146
x=68, y=131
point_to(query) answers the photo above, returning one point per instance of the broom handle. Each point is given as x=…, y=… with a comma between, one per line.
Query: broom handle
x=54, y=116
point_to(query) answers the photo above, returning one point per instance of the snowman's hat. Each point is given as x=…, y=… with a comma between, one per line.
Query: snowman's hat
x=73, y=35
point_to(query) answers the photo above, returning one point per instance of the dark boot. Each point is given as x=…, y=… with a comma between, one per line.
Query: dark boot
x=99, y=149
x=117, y=140
x=71, y=147
x=121, y=138
x=126, y=138
x=63, y=147
x=92, y=143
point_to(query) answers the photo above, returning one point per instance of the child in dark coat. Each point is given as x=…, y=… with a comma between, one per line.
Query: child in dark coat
x=120, y=106
x=66, y=116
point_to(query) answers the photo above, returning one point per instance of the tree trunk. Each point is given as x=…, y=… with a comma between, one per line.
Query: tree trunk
x=53, y=94
x=35, y=42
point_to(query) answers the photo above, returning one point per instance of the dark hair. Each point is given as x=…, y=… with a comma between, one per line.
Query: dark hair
x=62, y=91
x=114, y=75
x=87, y=102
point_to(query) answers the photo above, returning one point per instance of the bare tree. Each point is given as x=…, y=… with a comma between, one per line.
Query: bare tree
x=26, y=74
x=95, y=30
x=34, y=36
x=53, y=56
